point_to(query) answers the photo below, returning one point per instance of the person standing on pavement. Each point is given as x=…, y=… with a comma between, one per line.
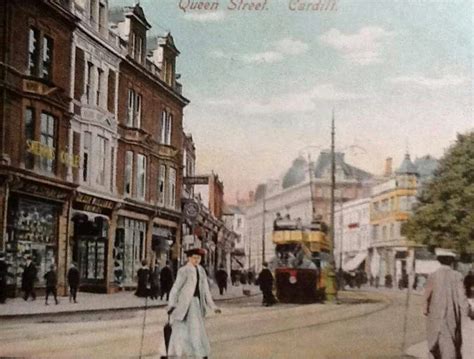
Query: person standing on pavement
x=155, y=281
x=73, y=278
x=51, y=279
x=265, y=281
x=3, y=278
x=166, y=280
x=143, y=275
x=190, y=301
x=445, y=304
x=221, y=278
x=28, y=279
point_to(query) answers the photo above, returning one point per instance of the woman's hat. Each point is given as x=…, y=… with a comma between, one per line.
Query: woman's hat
x=195, y=251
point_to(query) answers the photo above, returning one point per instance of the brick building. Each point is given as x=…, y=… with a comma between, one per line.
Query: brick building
x=36, y=159
x=150, y=127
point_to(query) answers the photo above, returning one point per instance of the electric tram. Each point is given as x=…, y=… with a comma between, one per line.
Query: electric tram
x=301, y=254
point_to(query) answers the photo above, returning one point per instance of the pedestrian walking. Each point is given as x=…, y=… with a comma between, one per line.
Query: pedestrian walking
x=445, y=303
x=143, y=275
x=265, y=281
x=28, y=279
x=155, y=281
x=73, y=279
x=3, y=278
x=189, y=301
x=166, y=280
x=51, y=279
x=469, y=284
x=221, y=278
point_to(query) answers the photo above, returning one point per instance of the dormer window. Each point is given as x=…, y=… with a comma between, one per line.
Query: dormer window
x=137, y=49
x=168, y=71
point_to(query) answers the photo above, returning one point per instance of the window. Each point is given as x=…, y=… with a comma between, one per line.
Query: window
x=102, y=19
x=134, y=113
x=141, y=176
x=100, y=75
x=85, y=157
x=92, y=12
x=30, y=136
x=172, y=187
x=112, y=167
x=47, y=140
x=90, y=67
x=33, y=51
x=102, y=160
x=139, y=49
x=166, y=125
x=161, y=185
x=47, y=57
x=128, y=172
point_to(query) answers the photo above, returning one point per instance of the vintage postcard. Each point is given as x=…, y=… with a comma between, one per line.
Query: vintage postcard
x=252, y=179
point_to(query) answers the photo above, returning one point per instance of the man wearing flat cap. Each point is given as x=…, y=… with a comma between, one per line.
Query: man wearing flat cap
x=190, y=300
x=445, y=307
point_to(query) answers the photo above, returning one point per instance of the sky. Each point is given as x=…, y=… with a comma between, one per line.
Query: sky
x=263, y=84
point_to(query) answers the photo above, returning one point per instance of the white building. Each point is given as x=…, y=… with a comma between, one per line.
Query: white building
x=352, y=234
x=293, y=195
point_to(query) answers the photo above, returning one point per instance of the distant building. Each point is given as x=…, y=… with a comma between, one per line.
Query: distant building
x=296, y=194
x=234, y=218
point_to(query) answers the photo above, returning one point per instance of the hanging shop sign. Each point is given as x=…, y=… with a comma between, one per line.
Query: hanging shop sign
x=191, y=210
x=196, y=180
x=93, y=204
x=41, y=150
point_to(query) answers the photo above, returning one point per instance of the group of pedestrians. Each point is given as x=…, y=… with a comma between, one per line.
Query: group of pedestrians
x=29, y=278
x=154, y=282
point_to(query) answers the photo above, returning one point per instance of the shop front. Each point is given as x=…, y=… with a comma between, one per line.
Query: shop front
x=129, y=249
x=91, y=218
x=162, y=240
x=34, y=216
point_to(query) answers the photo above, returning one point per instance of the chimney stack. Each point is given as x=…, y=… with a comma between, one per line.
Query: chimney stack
x=388, y=167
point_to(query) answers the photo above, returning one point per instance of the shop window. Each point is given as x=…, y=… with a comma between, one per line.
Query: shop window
x=29, y=136
x=128, y=172
x=47, y=142
x=161, y=185
x=172, y=187
x=141, y=176
x=32, y=227
x=130, y=251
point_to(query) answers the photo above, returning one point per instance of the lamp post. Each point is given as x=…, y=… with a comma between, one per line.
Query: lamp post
x=263, y=225
x=310, y=174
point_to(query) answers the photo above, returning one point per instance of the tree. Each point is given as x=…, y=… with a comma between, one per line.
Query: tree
x=444, y=216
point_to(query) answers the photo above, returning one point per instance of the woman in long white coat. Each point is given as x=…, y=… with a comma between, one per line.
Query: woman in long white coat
x=189, y=302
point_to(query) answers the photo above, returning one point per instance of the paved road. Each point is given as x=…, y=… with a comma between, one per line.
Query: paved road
x=371, y=329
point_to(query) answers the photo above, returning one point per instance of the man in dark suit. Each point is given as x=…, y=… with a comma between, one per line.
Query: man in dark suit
x=28, y=279
x=265, y=281
x=73, y=278
x=221, y=279
x=166, y=280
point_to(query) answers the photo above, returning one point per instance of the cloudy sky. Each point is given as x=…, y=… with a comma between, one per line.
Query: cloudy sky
x=262, y=84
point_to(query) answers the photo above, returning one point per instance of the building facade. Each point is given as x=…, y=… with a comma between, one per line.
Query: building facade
x=36, y=159
x=301, y=196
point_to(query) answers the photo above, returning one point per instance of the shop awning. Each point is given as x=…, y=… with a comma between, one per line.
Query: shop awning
x=355, y=262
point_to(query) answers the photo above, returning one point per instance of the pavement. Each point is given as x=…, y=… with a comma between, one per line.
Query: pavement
x=92, y=302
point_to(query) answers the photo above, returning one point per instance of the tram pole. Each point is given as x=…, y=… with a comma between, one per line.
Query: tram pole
x=331, y=288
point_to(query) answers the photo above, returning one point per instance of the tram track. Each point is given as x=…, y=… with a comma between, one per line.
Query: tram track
x=124, y=331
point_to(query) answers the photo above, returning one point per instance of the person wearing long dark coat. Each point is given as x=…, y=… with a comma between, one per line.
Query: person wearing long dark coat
x=221, y=279
x=445, y=305
x=265, y=281
x=51, y=279
x=155, y=281
x=166, y=281
x=190, y=301
x=3, y=279
x=73, y=278
x=143, y=275
x=28, y=279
